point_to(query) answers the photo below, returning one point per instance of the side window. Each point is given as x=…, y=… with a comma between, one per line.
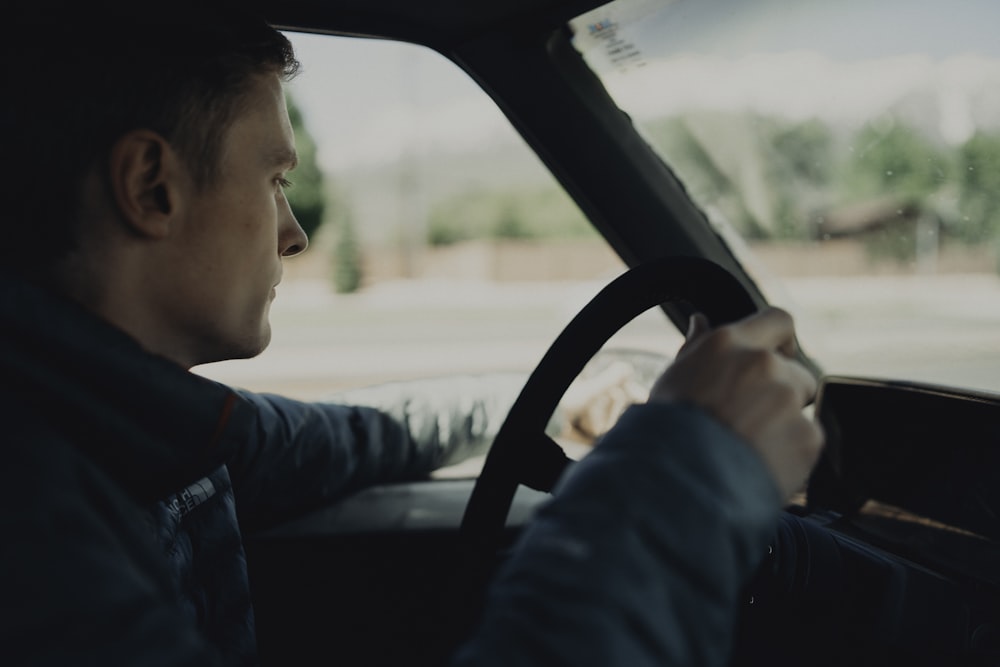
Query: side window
x=444, y=247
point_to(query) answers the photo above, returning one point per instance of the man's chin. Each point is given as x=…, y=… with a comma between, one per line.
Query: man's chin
x=246, y=348
x=259, y=345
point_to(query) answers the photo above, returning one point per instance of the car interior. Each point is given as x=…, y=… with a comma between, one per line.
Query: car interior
x=889, y=555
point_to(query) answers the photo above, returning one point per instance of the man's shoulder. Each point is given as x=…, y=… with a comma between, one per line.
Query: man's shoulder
x=37, y=457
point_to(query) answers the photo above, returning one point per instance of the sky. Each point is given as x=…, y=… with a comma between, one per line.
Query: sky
x=361, y=98
x=370, y=101
x=844, y=29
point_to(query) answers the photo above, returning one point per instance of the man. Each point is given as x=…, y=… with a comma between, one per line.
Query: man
x=151, y=240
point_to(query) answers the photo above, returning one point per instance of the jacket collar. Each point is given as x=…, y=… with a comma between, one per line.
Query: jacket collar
x=150, y=423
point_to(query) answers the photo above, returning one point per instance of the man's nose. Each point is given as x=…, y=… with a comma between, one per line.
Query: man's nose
x=292, y=239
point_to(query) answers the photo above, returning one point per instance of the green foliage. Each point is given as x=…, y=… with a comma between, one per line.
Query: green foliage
x=508, y=214
x=892, y=158
x=979, y=188
x=307, y=195
x=347, y=270
x=805, y=174
x=509, y=224
x=802, y=165
x=805, y=150
x=795, y=162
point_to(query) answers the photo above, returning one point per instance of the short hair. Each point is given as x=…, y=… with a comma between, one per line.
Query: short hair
x=81, y=75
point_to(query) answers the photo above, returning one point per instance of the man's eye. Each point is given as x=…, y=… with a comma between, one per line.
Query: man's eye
x=284, y=183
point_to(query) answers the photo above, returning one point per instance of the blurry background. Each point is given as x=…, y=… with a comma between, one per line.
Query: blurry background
x=849, y=151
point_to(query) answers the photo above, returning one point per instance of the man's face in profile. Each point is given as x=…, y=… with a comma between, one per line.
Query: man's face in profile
x=232, y=234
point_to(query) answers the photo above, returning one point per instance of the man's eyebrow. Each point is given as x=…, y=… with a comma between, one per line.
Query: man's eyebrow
x=283, y=157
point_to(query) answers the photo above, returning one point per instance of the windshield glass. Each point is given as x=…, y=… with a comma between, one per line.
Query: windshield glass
x=850, y=151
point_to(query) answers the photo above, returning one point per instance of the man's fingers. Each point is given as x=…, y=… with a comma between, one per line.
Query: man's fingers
x=799, y=378
x=698, y=326
x=771, y=329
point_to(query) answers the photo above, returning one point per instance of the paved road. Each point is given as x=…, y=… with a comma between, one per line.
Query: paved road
x=944, y=329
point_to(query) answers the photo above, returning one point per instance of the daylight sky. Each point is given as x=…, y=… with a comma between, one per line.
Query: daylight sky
x=365, y=100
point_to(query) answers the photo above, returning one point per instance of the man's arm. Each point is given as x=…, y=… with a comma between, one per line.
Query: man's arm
x=304, y=454
x=640, y=556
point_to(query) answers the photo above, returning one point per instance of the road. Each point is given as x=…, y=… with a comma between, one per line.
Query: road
x=942, y=328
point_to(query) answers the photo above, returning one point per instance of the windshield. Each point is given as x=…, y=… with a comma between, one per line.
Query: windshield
x=849, y=151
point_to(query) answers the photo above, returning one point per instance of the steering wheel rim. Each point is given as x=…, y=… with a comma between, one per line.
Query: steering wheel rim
x=521, y=453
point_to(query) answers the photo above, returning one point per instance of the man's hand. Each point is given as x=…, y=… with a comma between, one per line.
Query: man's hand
x=746, y=375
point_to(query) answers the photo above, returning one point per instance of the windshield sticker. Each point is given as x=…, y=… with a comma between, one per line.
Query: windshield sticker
x=608, y=33
x=622, y=53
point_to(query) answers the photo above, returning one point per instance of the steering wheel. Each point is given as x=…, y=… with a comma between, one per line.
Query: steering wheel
x=522, y=453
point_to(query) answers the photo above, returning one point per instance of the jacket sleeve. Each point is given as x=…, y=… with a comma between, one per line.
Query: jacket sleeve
x=304, y=454
x=639, y=557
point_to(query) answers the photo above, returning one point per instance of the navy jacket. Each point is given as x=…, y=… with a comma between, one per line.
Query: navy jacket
x=127, y=482
x=640, y=557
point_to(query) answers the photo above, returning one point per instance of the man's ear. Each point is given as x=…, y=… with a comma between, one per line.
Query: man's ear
x=143, y=172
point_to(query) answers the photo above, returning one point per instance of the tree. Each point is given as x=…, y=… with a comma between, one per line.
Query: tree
x=801, y=163
x=899, y=160
x=347, y=273
x=979, y=195
x=511, y=213
x=307, y=196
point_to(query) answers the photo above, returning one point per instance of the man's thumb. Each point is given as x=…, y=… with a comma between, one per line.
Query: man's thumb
x=697, y=325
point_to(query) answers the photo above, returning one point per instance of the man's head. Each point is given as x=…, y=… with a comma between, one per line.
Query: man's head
x=144, y=155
